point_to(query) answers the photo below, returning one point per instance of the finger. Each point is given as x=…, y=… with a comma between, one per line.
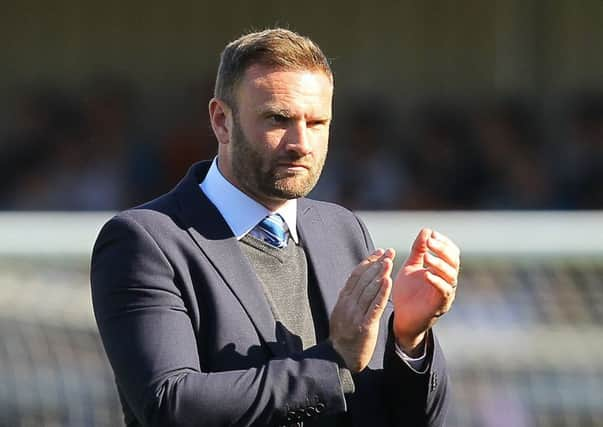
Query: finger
x=447, y=292
x=447, y=242
x=449, y=253
x=375, y=255
x=443, y=238
x=376, y=308
x=373, y=273
x=365, y=273
x=371, y=289
x=419, y=247
x=369, y=277
x=389, y=253
x=360, y=269
x=441, y=268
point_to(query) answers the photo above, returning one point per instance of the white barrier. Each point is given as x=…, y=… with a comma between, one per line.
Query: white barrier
x=477, y=233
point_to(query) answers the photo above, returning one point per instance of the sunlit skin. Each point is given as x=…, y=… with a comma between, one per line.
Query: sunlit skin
x=424, y=290
x=272, y=146
x=425, y=287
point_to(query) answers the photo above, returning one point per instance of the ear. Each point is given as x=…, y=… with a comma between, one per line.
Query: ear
x=220, y=116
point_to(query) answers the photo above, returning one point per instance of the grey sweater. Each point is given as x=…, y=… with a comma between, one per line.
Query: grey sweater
x=284, y=274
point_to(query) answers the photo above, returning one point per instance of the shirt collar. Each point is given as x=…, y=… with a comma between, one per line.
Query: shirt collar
x=240, y=211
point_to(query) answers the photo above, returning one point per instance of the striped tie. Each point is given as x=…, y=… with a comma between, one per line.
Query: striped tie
x=272, y=230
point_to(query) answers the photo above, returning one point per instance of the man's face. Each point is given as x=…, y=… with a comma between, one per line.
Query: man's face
x=279, y=134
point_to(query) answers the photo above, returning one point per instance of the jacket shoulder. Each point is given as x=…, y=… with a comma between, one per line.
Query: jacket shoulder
x=339, y=220
x=326, y=209
x=161, y=210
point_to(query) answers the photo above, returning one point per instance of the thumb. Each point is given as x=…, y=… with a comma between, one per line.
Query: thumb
x=419, y=247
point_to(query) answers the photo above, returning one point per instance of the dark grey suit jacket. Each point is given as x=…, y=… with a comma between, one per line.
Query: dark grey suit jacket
x=192, y=339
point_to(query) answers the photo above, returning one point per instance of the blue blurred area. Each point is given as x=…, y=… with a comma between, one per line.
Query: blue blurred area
x=97, y=149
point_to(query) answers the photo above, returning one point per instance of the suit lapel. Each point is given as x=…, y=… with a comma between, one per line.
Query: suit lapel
x=312, y=231
x=215, y=239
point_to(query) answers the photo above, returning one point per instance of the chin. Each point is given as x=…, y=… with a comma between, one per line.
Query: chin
x=292, y=192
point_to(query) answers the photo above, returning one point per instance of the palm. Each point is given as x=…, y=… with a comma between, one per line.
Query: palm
x=415, y=300
x=425, y=285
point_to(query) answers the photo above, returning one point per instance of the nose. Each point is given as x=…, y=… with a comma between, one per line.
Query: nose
x=298, y=139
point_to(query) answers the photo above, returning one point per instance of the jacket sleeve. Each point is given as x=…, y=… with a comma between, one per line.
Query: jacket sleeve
x=417, y=399
x=151, y=344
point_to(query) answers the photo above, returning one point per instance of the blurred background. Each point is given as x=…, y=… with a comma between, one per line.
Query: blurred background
x=467, y=108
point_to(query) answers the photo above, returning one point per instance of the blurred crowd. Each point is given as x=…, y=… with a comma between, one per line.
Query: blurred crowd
x=109, y=147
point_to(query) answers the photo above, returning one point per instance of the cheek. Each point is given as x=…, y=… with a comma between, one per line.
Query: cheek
x=271, y=140
x=321, y=141
x=263, y=147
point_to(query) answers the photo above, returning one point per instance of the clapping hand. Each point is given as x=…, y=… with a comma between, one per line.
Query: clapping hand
x=424, y=288
x=354, y=325
x=423, y=291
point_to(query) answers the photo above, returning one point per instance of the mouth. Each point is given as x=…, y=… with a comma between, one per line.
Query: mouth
x=293, y=166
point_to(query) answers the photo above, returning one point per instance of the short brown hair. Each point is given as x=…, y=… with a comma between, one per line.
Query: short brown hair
x=276, y=47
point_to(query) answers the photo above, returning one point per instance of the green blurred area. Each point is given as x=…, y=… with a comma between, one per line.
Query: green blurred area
x=428, y=47
x=523, y=343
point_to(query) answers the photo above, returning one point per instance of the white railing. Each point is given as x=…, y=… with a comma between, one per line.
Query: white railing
x=477, y=233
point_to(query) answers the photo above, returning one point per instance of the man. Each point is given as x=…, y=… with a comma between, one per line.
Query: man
x=214, y=311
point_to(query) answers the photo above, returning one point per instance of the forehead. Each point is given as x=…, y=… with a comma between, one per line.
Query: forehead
x=264, y=86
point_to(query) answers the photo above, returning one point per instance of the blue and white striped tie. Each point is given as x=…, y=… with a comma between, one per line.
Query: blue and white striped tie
x=272, y=230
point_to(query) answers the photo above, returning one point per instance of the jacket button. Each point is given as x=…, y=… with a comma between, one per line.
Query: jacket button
x=297, y=414
x=310, y=411
x=434, y=381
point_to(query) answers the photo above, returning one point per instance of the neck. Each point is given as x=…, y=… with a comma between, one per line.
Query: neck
x=272, y=204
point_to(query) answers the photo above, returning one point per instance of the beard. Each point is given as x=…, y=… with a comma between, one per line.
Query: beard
x=260, y=175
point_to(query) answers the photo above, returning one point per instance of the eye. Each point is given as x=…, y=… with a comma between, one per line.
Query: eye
x=278, y=119
x=317, y=123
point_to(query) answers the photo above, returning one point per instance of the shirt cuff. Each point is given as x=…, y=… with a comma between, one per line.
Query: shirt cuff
x=347, y=382
x=416, y=364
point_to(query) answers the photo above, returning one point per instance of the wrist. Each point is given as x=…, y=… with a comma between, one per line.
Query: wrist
x=342, y=362
x=412, y=345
